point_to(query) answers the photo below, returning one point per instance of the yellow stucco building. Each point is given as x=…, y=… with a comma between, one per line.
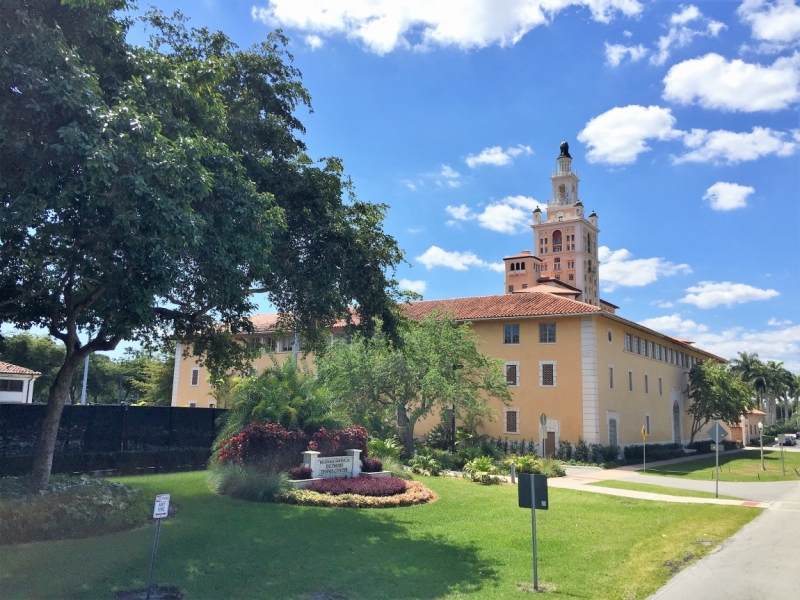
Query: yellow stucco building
x=566, y=353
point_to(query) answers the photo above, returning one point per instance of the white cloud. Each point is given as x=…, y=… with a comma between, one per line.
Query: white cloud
x=774, y=22
x=620, y=135
x=387, y=25
x=411, y=285
x=728, y=196
x=716, y=83
x=496, y=156
x=732, y=147
x=618, y=268
x=709, y=294
x=314, y=41
x=451, y=177
x=773, y=322
x=662, y=304
x=627, y=34
x=414, y=229
x=616, y=53
x=674, y=324
x=511, y=215
x=681, y=35
x=460, y=261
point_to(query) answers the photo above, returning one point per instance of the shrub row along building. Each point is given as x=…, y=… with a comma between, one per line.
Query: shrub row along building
x=566, y=353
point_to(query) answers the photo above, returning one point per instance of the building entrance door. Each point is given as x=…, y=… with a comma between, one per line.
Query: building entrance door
x=550, y=443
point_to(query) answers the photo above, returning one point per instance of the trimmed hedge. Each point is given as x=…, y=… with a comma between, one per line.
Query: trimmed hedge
x=654, y=452
x=126, y=463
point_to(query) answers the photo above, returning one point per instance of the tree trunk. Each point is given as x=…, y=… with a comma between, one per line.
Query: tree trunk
x=46, y=442
x=406, y=430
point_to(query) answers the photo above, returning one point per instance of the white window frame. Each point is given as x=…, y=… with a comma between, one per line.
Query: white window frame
x=505, y=421
x=509, y=363
x=211, y=405
x=194, y=377
x=541, y=374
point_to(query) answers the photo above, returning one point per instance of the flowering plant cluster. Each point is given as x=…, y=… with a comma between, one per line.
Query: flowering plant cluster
x=363, y=486
x=416, y=493
x=270, y=446
x=301, y=472
x=334, y=443
x=372, y=465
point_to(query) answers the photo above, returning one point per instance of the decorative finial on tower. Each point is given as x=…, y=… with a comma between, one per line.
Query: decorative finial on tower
x=565, y=149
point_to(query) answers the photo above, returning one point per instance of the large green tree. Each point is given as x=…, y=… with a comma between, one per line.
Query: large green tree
x=154, y=190
x=438, y=364
x=716, y=393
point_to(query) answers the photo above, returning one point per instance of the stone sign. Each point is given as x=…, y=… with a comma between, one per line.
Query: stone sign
x=335, y=466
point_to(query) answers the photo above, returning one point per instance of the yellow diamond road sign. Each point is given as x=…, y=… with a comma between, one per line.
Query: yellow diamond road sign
x=644, y=432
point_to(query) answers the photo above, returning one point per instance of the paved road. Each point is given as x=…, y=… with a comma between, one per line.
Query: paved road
x=759, y=562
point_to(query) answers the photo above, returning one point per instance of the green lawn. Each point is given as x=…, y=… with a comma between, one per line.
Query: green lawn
x=625, y=484
x=740, y=466
x=472, y=543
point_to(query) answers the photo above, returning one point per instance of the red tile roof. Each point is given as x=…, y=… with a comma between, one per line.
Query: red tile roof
x=523, y=254
x=531, y=304
x=9, y=369
x=269, y=322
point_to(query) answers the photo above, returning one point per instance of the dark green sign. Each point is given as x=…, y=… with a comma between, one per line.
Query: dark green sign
x=539, y=490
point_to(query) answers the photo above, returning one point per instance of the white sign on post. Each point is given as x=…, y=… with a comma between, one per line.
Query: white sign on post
x=335, y=466
x=161, y=509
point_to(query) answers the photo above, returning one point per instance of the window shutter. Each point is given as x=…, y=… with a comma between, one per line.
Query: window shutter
x=547, y=374
x=511, y=374
x=512, y=425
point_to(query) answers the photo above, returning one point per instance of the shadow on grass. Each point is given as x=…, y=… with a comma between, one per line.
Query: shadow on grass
x=217, y=547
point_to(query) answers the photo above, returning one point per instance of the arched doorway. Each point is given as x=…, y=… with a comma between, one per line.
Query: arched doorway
x=676, y=422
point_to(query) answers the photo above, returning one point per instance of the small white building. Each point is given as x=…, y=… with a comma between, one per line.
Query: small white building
x=16, y=383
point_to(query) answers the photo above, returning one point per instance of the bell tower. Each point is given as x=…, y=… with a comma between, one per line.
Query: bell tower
x=566, y=240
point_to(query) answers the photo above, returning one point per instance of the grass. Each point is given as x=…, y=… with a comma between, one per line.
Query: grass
x=657, y=489
x=472, y=543
x=740, y=466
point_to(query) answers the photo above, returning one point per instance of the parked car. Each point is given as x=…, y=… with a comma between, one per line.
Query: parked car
x=791, y=440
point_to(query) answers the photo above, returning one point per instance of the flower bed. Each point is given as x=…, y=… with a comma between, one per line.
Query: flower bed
x=387, y=486
x=415, y=493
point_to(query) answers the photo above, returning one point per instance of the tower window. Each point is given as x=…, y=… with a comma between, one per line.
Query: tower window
x=523, y=266
x=512, y=267
x=557, y=241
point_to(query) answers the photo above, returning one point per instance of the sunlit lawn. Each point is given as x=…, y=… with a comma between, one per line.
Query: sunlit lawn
x=624, y=484
x=472, y=543
x=740, y=466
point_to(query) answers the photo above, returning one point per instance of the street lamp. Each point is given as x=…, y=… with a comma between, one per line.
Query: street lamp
x=761, y=442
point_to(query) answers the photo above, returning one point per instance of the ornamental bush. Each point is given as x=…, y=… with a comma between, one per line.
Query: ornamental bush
x=301, y=472
x=270, y=447
x=363, y=486
x=371, y=465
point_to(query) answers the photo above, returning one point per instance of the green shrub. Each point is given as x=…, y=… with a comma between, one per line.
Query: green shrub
x=69, y=508
x=551, y=468
x=654, y=452
x=522, y=464
x=425, y=464
x=397, y=469
x=439, y=437
x=248, y=483
x=482, y=470
x=388, y=448
x=448, y=460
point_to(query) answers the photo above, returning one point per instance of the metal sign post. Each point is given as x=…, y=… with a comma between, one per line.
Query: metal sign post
x=717, y=434
x=543, y=432
x=532, y=493
x=644, y=449
x=160, y=512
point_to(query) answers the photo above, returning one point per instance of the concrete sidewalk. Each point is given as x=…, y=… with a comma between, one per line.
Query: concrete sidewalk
x=759, y=561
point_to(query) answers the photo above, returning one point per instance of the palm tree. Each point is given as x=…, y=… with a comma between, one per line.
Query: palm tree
x=778, y=379
x=750, y=369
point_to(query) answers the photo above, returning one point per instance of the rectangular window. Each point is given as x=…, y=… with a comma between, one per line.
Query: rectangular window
x=10, y=385
x=511, y=420
x=628, y=342
x=510, y=288
x=511, y=334
x=547, y=333
x=512, y=373
x=635, y=345
x=650, y=350
x=630, y=381
x=195, y=376
x=611, y=377
x=192, y=404
x=287, y=344
x=660, y=387
x=547, y=373
x=671, y=357
x=210, y=405
x=646, y=384
x=658, y=351
x=647, y=424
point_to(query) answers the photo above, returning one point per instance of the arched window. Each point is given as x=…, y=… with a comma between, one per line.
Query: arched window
x=512, y=267
x=523, y=266
x=557, y=240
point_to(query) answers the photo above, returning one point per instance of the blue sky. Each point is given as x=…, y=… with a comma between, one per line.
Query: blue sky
x=681, y=118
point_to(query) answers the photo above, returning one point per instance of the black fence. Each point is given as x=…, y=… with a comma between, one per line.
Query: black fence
x=106, y=437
